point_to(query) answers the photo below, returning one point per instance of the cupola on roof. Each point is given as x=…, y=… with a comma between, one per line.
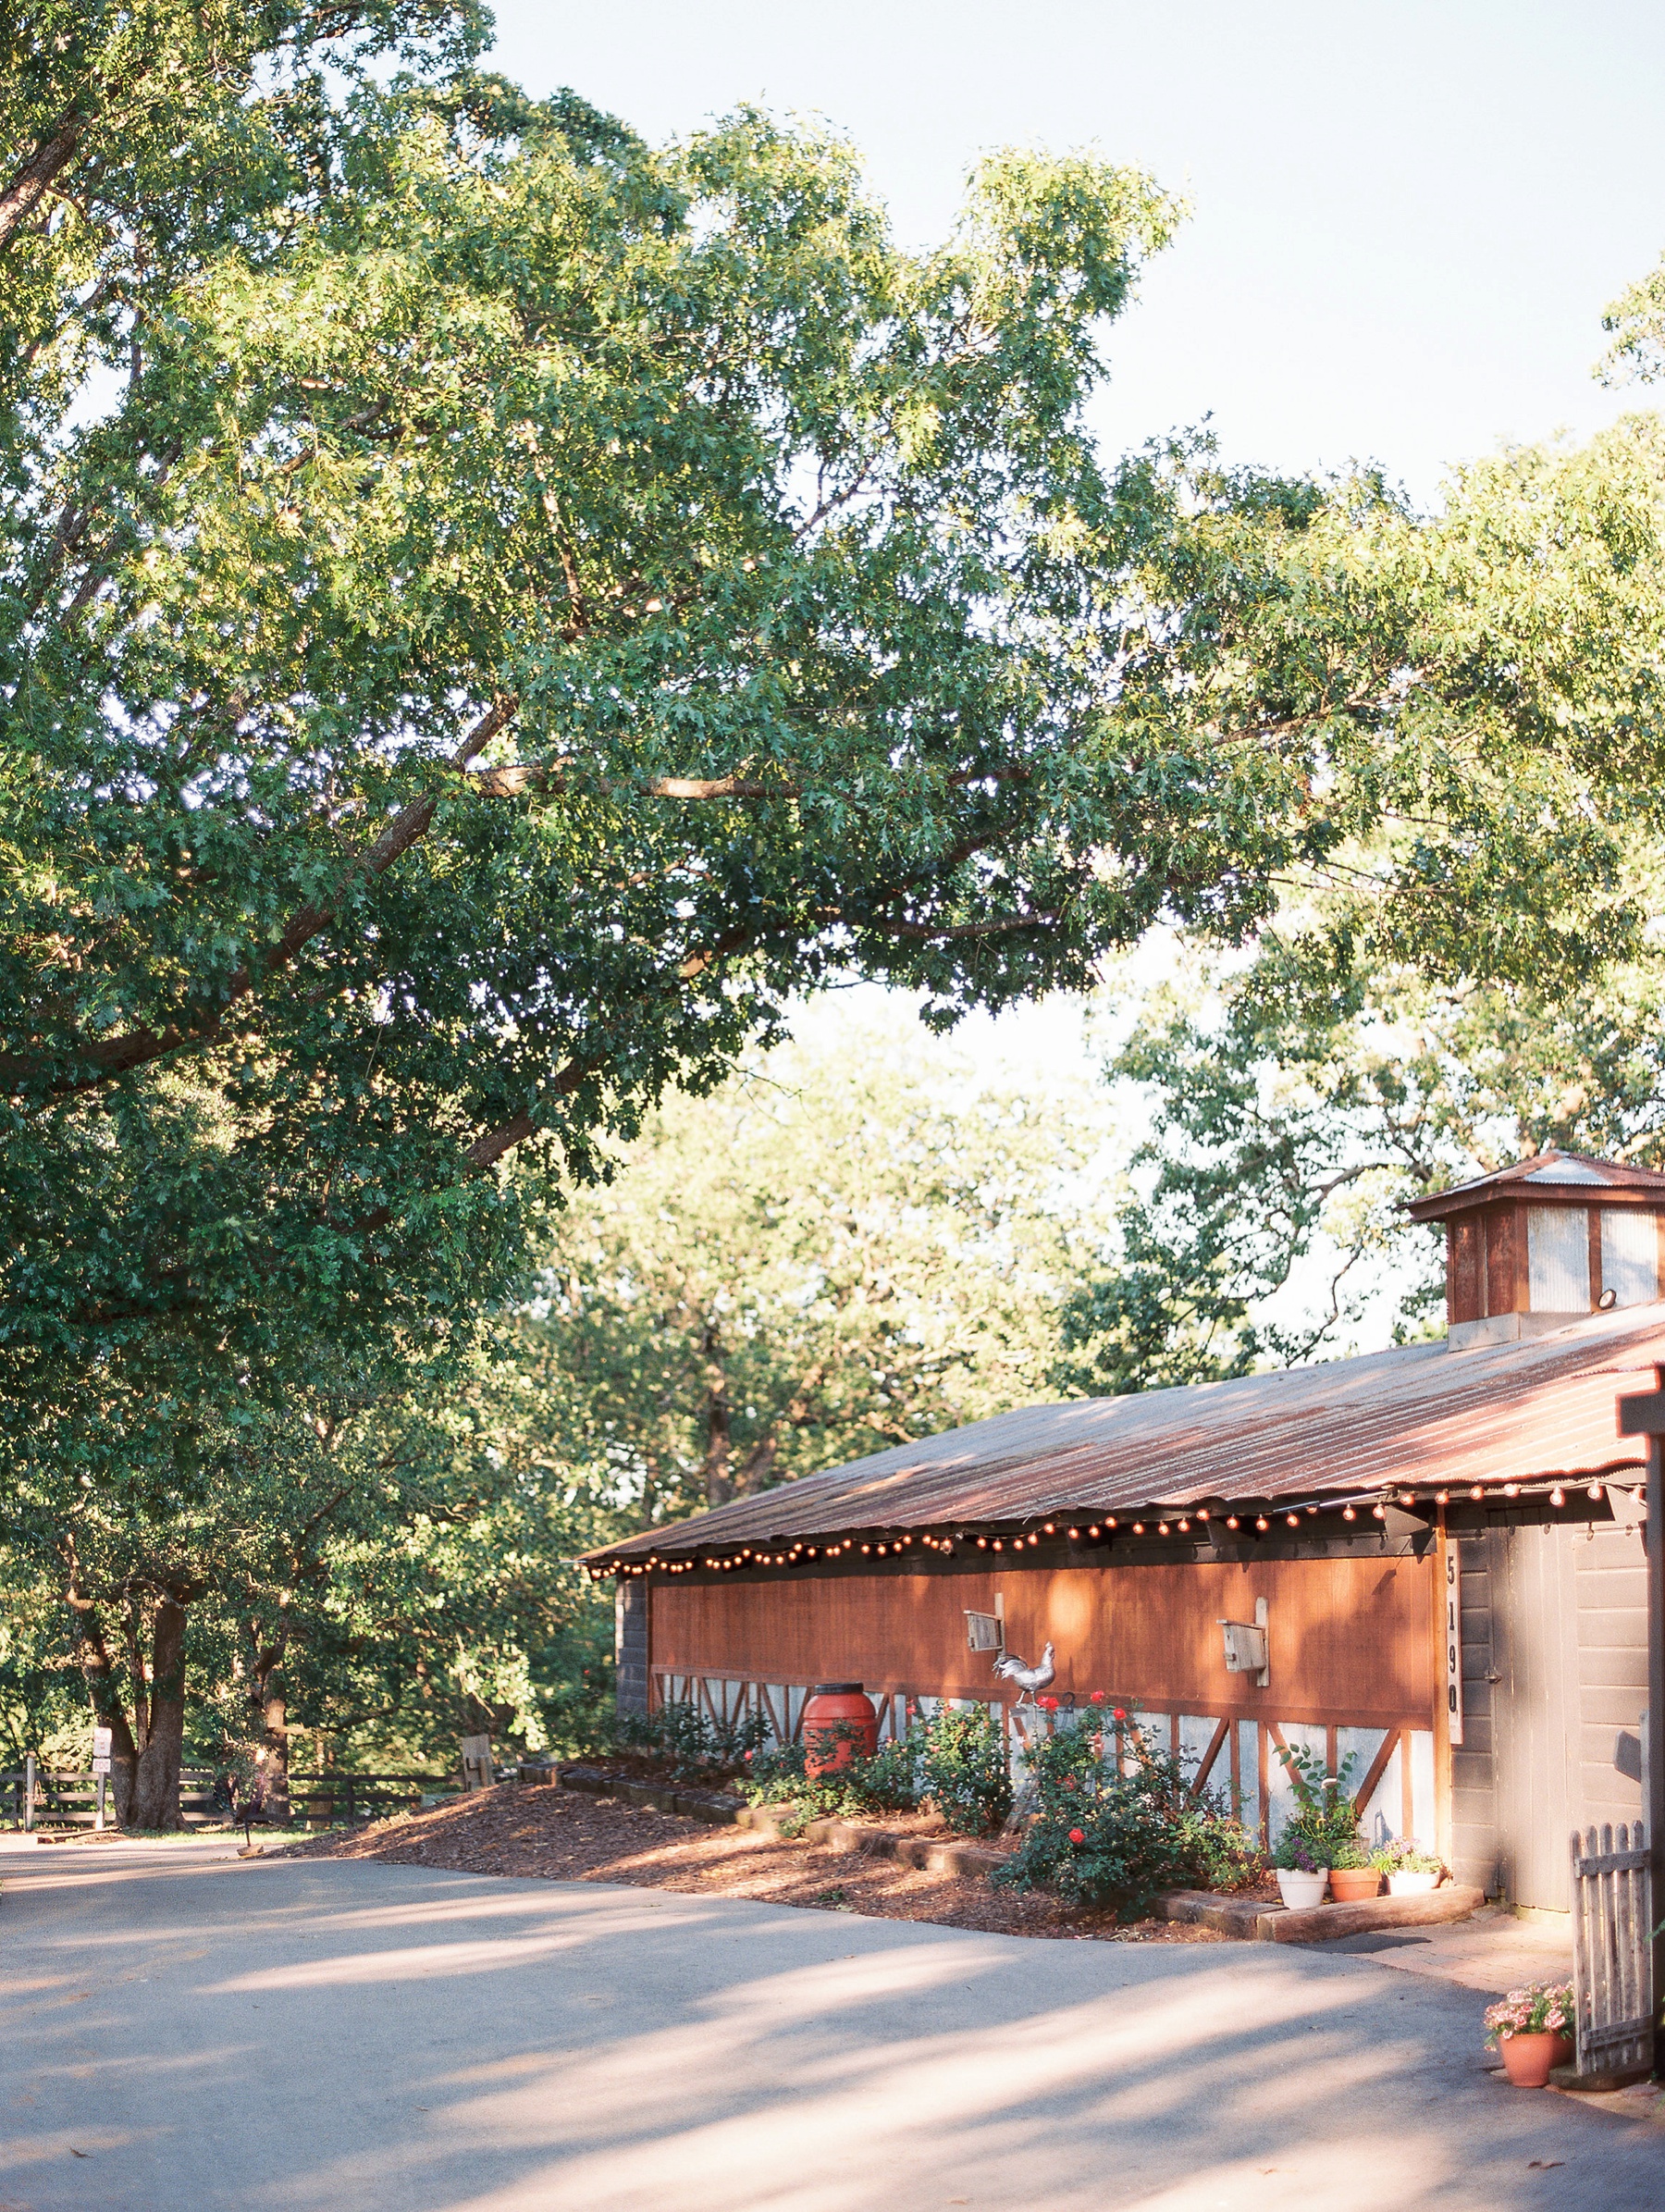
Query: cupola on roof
x=1539, y=1244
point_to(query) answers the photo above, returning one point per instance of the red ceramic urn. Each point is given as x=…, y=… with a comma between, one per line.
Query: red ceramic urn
x=838, y=1722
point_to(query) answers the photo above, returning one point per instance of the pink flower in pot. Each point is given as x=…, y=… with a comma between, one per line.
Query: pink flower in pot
x=1532, y=2029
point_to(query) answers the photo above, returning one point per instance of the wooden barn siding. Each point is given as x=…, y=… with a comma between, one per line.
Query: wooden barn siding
x=1351, y=1642
x=1560, y=1617
x=1474, y=1790
x=1612, y=1665
x=630, y=1645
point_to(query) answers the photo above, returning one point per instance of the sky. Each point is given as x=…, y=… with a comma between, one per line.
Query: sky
x=1408, y=218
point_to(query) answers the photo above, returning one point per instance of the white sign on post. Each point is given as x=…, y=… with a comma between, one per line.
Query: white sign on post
x=102, y=1741
x=1453, y=1642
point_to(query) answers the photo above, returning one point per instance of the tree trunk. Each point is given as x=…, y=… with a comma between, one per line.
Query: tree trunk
x=104, y=1693
x=717, y=1441
x=276, y=1745
x=268, y=1713
x=156, y=1783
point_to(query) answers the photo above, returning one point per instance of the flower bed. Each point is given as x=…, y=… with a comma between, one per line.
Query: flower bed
x=1117, y=1824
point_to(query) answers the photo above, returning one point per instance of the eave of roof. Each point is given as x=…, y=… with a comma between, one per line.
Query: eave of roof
x=1412, y=1418
x=1550, y=1178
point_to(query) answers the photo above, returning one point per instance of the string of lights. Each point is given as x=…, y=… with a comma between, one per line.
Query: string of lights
x=1153, y=1524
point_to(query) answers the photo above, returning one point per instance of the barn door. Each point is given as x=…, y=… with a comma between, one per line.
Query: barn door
x=1535, y=1655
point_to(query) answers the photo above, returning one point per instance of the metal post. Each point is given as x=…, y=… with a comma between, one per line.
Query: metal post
x=98, y=1816
x=1654, y=1769
x=29, y=1793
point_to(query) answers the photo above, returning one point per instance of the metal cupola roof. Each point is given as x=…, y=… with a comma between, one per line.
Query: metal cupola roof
x=1551, y=1175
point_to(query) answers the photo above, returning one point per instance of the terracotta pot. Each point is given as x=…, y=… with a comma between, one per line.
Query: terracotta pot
x=1298, y=1891
x=1352, y=1884
x=839, y=1721
x=1412, y=1886
x=1528, y=2059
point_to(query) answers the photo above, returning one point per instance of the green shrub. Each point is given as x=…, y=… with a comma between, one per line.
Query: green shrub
x=1117, y=1832
x=955, y=1760
x=690, y=1740
x=963, y=1770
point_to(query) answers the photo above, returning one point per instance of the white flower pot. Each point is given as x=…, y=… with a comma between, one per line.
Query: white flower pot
x=1412, y=1886
x=1298, y=1890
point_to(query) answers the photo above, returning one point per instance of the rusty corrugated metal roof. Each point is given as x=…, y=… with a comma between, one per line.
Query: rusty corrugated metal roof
x=1417, y=1416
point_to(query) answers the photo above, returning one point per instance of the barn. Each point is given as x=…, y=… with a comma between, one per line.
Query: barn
x=1443, y=1543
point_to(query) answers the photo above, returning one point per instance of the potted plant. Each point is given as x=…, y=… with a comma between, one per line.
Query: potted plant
x=1532, y=2031
x=1300, y=1873
x=1321, y=1833
x=1409, y=1870
x=1354, y=1874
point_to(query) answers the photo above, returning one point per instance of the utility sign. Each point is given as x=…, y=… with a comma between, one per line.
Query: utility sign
x=101, y=1740
x=1453, y=1642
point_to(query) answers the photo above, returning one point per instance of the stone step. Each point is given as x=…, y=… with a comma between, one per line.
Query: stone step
x=1253, y=1919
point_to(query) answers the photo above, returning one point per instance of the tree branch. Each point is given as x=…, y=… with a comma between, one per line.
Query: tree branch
x=31, y=183
x=98, y=1063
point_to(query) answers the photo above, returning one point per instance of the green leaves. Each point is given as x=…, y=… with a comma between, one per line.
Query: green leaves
x=825, y=1258
x=1294, y=1103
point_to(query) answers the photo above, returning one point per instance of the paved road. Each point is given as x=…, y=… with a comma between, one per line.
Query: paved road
x=317, y=2036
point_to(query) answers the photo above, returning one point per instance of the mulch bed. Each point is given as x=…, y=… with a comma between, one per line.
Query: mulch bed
x=560, y=1835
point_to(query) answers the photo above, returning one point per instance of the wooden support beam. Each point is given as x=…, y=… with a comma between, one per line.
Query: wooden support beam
x=1222, y=1730
x=1379, y=1767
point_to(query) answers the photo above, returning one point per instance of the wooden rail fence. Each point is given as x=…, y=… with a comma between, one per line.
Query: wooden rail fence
x=48, y=1797
x=323, y=1800
x=34, y=1797
x=1613, y=1921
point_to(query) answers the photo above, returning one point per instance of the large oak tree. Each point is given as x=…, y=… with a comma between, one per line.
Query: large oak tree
x=490, y=608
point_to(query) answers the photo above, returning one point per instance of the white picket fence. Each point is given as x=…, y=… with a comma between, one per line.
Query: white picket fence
x=1613, y=1921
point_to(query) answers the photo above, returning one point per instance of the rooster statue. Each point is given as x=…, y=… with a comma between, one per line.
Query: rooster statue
x=1029, y=1679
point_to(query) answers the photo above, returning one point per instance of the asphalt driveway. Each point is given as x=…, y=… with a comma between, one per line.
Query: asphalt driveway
x=185, y=2029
